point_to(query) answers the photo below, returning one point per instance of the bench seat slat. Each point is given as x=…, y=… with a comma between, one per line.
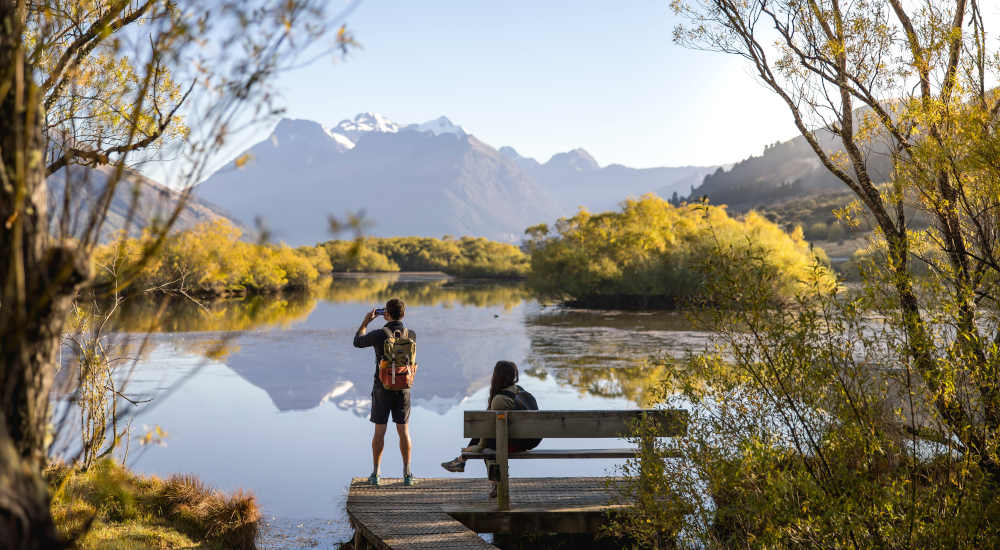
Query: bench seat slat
x=574, y=424
x=561, y=453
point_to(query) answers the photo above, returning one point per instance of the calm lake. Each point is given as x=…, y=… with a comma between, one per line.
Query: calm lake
x=269, y=395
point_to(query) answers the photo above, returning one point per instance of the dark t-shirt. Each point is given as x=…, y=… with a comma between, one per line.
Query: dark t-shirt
x=376, y=339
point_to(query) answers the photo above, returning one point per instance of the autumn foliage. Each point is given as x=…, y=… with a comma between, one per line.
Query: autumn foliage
x=652, y=253
x=464, y=257
x=209, y=259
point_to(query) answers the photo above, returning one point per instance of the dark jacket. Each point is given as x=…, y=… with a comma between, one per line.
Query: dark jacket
x=376, y=339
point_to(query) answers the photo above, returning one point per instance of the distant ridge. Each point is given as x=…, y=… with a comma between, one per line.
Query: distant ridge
x=785, y=171
x=154, y=202
x=432, y=178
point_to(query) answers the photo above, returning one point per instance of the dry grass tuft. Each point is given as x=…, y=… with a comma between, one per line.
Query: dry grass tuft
x=230, y=520
x=108, y=505
x=184, y=489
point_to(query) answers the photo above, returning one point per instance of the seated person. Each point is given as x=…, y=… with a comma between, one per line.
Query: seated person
x=503, y=389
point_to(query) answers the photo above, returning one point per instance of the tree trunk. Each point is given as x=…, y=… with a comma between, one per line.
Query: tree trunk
x=37, y=285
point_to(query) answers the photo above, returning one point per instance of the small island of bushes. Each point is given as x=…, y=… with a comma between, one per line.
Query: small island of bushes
x=651, y=254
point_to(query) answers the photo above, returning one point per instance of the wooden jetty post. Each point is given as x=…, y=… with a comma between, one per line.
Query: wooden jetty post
x=503, y=483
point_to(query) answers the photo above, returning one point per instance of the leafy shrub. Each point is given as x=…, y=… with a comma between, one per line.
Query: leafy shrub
x=465, y=257
x=208, y=259
x=352, y=256
x=654, y=254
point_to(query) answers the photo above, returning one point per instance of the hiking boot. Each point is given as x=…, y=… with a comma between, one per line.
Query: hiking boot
x=454, y=465
x=373, y=480
x=408, y=480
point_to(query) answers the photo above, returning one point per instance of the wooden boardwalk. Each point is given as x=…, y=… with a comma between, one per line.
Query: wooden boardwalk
x=393, y=516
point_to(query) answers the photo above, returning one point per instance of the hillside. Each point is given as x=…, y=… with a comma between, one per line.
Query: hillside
x=154, y=202
x=788, y=170
x=429, y=179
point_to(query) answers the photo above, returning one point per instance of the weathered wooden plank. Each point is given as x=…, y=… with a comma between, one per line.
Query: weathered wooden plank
x=577, y=424
x=560, y=453
x=428, y=528
x=625, y=452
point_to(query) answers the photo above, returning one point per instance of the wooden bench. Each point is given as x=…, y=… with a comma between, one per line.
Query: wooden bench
x=502, y=425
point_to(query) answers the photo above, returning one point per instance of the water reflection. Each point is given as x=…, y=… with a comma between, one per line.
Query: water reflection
x=611, y=354
x=179, y=314
x=579, y=338
x=296, y=347
x=426, y=290
x=643, y=385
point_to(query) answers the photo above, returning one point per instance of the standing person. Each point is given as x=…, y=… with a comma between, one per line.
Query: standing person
x=386, y=402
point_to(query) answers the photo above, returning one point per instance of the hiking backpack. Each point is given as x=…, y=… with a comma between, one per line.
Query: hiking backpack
x=523, y=401
x=399, y=360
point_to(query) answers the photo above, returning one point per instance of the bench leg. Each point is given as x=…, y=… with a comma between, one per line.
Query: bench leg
x=503, y=485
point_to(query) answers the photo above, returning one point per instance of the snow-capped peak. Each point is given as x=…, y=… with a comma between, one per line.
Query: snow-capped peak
x=362, y=124
x=343, y=141
x=438, y=126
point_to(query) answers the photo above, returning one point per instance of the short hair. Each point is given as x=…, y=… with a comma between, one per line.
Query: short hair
x=395, y=308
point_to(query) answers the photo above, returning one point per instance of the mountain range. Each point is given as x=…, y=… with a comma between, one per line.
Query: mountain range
x=430, y=179
x=435, y=179
x=137, y=202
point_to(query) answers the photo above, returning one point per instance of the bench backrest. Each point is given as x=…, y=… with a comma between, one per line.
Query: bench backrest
x=589, y=424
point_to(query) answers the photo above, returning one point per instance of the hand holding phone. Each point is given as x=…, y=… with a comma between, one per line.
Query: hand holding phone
x=380, y=311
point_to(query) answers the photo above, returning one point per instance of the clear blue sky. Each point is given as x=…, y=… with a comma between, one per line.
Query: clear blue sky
x=544, y=77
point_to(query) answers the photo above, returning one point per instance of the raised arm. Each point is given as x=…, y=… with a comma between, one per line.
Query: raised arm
x=361, y=338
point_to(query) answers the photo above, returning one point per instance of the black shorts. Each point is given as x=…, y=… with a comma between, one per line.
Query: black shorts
x=388, y=401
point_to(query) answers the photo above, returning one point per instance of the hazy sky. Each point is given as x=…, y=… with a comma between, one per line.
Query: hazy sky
x=544, y=77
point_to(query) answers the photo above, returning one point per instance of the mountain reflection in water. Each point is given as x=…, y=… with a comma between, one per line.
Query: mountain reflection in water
x=296, y=347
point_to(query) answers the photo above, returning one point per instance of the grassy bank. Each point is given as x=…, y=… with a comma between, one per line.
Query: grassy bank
x=109, y=507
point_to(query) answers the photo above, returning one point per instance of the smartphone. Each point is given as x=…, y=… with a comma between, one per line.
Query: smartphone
x=380, y=311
